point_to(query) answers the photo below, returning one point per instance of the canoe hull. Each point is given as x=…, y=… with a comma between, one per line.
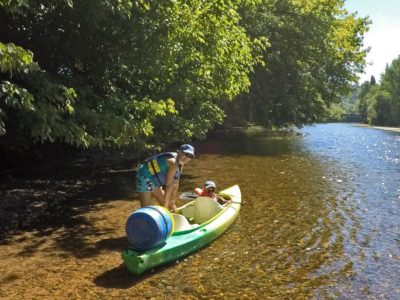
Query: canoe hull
x=182, y=243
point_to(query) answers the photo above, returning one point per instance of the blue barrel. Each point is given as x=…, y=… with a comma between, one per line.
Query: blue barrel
x=149, y=227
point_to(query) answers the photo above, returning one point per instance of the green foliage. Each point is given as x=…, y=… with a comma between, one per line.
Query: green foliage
x=336, y=112
x=14, y=6
x=380, y=103
x=362, y=105
x=390, y=84
x=347, y=109
x=378, y=107
x=113, y=73
x=315, y=54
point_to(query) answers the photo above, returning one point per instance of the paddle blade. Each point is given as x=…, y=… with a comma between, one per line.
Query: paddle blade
x=188, y=196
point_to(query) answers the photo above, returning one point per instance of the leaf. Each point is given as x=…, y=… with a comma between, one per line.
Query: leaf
x=70, y=3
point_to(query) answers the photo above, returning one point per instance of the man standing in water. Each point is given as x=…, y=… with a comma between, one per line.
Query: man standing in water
x=159, y=175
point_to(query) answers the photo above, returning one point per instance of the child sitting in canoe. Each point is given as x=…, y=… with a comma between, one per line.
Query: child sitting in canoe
x=208, y=190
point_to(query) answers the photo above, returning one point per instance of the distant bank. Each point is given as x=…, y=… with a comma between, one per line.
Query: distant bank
x=397, y=129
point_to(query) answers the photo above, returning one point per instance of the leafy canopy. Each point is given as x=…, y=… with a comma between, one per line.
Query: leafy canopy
x=112, y=73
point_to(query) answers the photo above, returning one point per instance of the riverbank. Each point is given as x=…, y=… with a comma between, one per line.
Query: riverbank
x=396, y=129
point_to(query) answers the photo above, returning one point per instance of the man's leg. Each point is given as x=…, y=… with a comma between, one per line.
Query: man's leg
x=159, y=195
x=145, y=198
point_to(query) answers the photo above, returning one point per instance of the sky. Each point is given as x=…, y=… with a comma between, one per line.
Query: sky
x=383, y=36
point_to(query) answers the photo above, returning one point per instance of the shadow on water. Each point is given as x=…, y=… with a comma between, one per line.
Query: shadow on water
x=47, y=204
x=120, y=278
x=256, y=141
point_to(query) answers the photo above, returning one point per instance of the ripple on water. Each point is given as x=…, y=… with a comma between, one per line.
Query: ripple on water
x=321, y=218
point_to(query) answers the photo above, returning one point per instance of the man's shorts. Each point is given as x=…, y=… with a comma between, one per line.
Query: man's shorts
x=143, y=182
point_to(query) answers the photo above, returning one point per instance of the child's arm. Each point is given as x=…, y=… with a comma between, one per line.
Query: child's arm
x=221, y=200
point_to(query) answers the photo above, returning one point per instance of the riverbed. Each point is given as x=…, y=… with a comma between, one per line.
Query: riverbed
x=320, y=220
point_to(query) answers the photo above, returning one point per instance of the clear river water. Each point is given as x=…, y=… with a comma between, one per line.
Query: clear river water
x=321, y=217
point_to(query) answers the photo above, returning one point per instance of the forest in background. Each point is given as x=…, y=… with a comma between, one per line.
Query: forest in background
x=143, y=74
x=372, y=102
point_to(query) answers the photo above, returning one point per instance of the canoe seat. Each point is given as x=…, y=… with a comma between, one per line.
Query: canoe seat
x=205, y=208
x=181, y=223
x=188, y=212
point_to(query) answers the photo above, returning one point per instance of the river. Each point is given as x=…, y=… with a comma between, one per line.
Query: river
x=320, y=220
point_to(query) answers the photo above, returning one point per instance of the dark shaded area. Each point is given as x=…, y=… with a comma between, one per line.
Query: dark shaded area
x=60, y=160
x=254, y=141
x=56, y=189
x=55, y=186
x=120, y=278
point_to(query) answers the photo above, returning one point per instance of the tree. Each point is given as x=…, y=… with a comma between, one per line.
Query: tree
x=373, y=80
x=315, y=56
x=139, y=72
x=390, y=83
x=378, y=109
x=380, y=103
x=362, y=105
x=347, y=109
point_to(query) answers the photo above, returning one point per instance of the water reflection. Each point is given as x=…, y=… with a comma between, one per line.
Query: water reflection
x=321, y=218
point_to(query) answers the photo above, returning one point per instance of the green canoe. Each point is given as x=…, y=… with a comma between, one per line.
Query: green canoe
x=197, y=224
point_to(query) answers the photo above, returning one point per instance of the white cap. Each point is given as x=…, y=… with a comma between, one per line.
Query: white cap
x=209, y=184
